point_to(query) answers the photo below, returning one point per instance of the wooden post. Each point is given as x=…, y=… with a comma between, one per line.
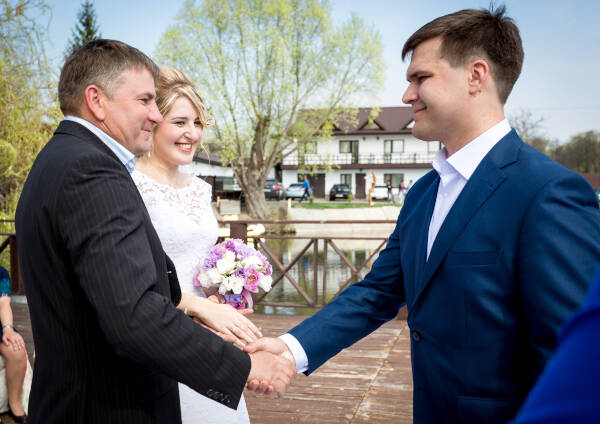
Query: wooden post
x=238, y=230
x=15, y=274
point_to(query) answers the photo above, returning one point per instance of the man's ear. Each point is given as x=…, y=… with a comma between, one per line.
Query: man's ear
x=94, y=99
x=479, y=73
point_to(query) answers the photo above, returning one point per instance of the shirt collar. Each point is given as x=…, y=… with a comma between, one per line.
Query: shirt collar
x=468, y=158
x=125, y=156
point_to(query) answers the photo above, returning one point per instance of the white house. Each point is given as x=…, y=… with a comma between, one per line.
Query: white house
x=207, y=165
x=384, y=146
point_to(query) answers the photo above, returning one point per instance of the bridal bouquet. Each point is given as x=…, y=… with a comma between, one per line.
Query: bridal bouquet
x=237, y=270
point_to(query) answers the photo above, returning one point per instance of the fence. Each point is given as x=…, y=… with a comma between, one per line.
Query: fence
x=239, y=229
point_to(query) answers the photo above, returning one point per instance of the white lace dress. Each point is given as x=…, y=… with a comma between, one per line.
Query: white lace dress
x=187, y=229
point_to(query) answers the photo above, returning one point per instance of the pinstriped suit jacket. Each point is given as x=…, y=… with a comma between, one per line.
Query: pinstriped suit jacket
x=109, y=342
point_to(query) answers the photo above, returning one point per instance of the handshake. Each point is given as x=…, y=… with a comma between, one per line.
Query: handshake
x=273, y=366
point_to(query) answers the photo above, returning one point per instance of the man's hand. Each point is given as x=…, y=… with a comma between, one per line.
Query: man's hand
x=274, y=371
x=275, y=346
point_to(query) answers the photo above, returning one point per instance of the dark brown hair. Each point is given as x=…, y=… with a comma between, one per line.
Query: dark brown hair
x=99, y=62
x=477, y=34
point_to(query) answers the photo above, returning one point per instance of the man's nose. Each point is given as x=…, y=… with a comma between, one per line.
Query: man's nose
x=410, y=95
x=154, y=114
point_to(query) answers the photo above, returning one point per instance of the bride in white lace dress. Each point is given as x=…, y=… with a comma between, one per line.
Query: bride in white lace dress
x=179, y=205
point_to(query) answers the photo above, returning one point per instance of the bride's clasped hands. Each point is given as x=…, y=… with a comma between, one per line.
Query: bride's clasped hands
x=228, y=323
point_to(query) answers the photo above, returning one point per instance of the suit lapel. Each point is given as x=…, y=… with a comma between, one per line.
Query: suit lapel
x=418, y=227
x=485, y=180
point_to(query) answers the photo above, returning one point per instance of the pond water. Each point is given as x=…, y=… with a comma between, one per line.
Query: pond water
x=285, y=250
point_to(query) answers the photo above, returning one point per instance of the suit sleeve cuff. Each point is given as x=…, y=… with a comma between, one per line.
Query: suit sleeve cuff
x=297, y=351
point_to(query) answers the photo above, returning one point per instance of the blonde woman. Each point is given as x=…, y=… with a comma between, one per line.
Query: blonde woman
x=179, y=206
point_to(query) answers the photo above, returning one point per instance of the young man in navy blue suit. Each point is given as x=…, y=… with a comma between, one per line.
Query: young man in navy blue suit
x=493, y=249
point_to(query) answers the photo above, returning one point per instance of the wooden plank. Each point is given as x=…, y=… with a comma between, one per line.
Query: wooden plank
x=366, y=383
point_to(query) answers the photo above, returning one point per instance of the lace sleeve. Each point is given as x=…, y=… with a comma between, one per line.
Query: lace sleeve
x=200, y=200
x=148, y=188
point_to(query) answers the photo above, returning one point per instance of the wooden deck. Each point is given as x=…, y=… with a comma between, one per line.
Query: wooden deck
x=368, y=383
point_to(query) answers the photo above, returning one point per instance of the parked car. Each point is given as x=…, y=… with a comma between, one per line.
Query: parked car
x=295, y=191
x=380, y=192
x=273, y=189
x=339, y=191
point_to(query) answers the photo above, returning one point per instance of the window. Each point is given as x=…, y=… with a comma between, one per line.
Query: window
x=346, y=179
x=348, y=146
x=433, y=146
x=393, y=146
x=396, y=179
x=310, y=147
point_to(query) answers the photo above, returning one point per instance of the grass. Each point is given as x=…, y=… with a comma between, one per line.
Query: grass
x=342, y=205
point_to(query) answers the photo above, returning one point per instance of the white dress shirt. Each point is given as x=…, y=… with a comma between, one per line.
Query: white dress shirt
x=125, y=156
x=454, y=173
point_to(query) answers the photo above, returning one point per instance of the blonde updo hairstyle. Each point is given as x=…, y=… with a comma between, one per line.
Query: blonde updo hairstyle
x=173, y=84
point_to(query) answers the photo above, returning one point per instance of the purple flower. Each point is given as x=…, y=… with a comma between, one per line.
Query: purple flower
x=269, y=269
x=210, y=261
x=252, y=279
x=240, y=272
x=244, y=251
x=219, y=250
x=235, y=300
x=230, y=245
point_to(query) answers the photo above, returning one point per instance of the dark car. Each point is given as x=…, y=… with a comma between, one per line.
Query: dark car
x=339, y=191
x=273, y=189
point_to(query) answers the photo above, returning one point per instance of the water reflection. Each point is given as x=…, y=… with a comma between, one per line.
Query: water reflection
x=338, y=273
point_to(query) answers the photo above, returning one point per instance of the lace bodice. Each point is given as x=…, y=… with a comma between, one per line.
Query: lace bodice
x=184, y=221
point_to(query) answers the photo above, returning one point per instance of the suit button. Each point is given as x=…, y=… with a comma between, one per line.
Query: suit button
x=416, y=336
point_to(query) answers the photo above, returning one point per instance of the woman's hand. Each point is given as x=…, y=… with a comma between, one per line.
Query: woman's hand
x=223, y=320
x=12, y=339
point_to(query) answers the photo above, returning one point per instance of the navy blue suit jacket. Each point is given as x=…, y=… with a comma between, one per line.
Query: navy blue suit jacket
x=513, y=258
x=568, y=389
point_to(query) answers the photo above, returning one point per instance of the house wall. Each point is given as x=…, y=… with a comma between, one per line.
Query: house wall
x=201, y=168
x=368, y=144
x=332, y=177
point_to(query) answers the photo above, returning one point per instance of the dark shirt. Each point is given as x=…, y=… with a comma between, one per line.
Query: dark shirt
x=5, y=289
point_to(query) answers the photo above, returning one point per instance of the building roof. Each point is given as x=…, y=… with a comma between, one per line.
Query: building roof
x=388, y=120
x=211, y=159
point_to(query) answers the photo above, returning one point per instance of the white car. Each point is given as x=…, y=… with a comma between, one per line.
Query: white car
x=380, y=192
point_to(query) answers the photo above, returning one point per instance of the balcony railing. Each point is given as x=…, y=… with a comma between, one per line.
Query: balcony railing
x=362, y=158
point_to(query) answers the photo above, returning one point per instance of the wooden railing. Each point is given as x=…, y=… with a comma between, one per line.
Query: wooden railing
x=239, y=229
x=8, y=239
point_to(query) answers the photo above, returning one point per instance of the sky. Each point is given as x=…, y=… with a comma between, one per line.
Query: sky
x=560, y=81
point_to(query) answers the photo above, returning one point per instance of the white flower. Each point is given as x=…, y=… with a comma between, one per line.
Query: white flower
x=251, y=260
x=233, y=284
x=237, y=284
x=225, y=265
x=265, y=282
x=229, y=255
x=214, y=276
x=204, y=279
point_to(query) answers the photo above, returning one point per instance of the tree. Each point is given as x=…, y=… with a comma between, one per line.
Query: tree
x=27, y=107
x=86, y=29
x=529, y=127
x=581, y=153
x=262, y=62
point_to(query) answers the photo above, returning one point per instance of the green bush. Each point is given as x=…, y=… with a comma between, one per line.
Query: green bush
x=350, y=198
